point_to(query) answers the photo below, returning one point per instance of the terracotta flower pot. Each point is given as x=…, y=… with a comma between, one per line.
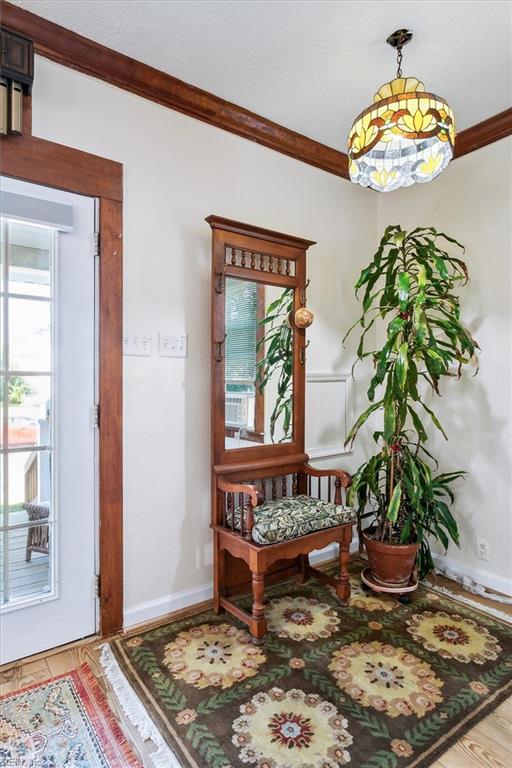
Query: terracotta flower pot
x=391, y=564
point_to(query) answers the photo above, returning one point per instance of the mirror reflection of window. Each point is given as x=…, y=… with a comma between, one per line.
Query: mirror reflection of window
x=258, y=363
x=244, y=402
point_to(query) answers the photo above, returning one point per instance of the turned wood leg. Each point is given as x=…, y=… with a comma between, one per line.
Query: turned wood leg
x=258, y=625
x=343, y=585
x=218, y=576
x=304, y=568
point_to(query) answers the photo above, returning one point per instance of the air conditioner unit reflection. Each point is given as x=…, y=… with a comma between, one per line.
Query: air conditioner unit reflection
x=237, y=409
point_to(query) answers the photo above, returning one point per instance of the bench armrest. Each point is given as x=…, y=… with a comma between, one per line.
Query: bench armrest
x=345, y=478
x=255, y=498
x=254, y=494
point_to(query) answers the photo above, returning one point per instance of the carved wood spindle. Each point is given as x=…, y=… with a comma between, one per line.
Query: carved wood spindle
x=270, y=264
x=264, y=490
x=309, y=485
x=284, y=485
x=287, y=269
x=258, y=609
x=294, y=484
x=231, y=509
x=243, y=261
x=337, y=494
x=274, y=489
x=343, y=586
x=253, y=259
x=329, y=486
x=279, y=266
x=262, y=262
x=233, y=257
x=242, y=513
x=250, y=520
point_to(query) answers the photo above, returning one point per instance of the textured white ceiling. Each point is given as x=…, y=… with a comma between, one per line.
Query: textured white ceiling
x=310, y=65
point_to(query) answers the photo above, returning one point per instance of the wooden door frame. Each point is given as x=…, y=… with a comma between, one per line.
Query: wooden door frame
x=43, y=162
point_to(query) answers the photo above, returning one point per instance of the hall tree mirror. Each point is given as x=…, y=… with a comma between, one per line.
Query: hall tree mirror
x=258, y=284
x=258, y=363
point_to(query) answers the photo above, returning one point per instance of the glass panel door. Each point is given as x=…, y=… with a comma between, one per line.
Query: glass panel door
x=28, y=522
x=48, y=528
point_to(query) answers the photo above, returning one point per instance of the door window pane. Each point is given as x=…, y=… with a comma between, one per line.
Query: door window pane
x=29, y=259
x=29, y=482
x=29, y=562
x=29, y=411
x=26, y=392
x=29, y=335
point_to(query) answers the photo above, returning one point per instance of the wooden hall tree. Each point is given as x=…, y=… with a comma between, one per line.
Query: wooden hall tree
x=270, y=507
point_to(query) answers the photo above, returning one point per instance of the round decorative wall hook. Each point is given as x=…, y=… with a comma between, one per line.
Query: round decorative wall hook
x=303, y=318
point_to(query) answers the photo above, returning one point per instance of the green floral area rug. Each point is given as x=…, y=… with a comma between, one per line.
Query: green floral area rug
x=64, y=722
x=374, y=685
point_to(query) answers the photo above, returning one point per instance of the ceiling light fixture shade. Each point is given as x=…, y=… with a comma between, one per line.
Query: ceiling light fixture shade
x=407, y=135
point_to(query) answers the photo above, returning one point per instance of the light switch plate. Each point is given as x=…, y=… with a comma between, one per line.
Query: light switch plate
x=172, y=345
x=138, y=343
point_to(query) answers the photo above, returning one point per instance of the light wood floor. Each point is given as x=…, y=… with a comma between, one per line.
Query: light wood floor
x=487, y=745
x=25, y=577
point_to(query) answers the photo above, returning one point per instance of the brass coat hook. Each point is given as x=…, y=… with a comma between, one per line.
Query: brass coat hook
x=220, y=281
x=302, y=354
x=303, y=294
x=219, y=356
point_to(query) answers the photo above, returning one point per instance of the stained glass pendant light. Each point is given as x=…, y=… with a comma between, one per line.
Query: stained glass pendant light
x=405, y=137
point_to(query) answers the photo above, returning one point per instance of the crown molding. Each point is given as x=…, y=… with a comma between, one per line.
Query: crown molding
x=479, y=135
x=77, y=52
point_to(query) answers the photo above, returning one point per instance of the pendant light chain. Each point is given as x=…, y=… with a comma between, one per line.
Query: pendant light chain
x=399, y=61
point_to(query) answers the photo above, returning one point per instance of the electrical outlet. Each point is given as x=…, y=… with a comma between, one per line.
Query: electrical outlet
x=172, y=345
x=138, y=343
x=482, y=549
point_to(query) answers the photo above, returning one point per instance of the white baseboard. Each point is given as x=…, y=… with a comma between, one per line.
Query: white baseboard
x=154, y=609
x=480, y=576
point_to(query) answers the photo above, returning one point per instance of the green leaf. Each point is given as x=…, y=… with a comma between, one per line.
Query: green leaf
x=402, y=364
x=394, y=504
x=418, y=425
x=404, y=284
x=361, y=420
x=389, y=420
x=420, y=323
x=441, y=267
x=364, y=276
x=434, y=418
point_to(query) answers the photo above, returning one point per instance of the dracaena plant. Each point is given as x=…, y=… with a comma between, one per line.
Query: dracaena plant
x=275, y=348
x=410, y=288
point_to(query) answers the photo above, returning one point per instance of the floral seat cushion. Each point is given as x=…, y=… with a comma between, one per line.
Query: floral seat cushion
x=288, y=518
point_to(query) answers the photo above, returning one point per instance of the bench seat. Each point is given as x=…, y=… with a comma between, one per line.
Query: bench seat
x=287, y=518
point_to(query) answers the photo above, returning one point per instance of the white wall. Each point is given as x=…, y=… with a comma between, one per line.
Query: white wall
x=177, y=171
x=472, y=201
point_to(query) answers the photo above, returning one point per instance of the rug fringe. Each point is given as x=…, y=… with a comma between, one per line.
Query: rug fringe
x=467, y=601
x=135, y=711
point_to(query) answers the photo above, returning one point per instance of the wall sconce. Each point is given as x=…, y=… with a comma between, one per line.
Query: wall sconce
x=16, y=77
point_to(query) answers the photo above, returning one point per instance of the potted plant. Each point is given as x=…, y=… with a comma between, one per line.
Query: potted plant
x=410, y=289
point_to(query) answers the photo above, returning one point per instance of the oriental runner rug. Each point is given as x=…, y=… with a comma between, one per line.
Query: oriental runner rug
x=64, y=722
x=374, y=685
